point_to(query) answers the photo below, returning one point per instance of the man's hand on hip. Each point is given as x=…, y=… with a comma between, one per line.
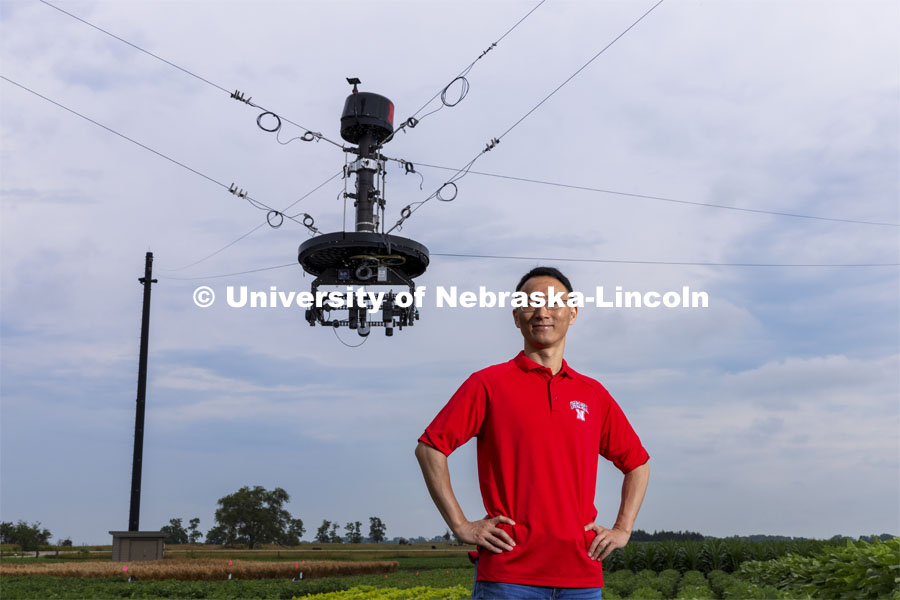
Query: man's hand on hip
x=485, y=533
x=606, y=541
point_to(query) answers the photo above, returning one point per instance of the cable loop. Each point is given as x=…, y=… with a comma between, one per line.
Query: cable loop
x=455, y=192
x=277, y=213
x=277, y=119
x=463, y=91
x=310, y=136
x=405, y=213
x=308, y=221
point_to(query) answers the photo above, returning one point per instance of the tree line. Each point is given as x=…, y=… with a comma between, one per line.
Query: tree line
x=639, y=535
x=254, y=516
x=28, y=537
x=328, y=532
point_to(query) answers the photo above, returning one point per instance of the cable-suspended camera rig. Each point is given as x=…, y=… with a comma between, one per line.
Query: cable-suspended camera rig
x=367, y=257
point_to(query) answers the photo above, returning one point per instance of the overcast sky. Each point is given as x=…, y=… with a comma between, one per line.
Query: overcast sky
x=776, y=410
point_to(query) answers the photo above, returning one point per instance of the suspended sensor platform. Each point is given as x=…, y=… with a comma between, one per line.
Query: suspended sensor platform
x=355, y=257
x=364, y=259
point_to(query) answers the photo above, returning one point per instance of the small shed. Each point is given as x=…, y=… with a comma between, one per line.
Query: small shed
x=131, y=546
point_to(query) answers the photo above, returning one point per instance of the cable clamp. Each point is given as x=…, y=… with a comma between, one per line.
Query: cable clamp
x=365, y=164
x=239, y=192
x=239, y=96
x=491, y=47
x=491, y=146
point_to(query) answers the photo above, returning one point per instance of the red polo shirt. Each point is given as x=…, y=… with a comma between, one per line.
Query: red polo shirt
x=539, y=439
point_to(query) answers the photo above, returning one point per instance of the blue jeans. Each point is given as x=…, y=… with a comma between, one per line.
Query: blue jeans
x=494, y=590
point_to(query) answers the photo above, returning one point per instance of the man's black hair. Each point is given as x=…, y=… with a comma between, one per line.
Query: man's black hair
x=545, y=272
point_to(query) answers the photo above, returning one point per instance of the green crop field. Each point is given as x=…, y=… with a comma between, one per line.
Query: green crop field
x=713, y=569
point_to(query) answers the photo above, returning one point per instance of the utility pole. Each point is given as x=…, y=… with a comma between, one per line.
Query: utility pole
x=134, y=515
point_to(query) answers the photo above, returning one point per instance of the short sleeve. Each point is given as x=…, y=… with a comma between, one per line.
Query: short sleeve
x=618, y=441
x=460, y=419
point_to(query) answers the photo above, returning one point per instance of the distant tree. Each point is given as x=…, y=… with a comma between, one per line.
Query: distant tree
x=294, y=533
x=334, y=537
x=377, y=529
x=871, y=538
x=193, y=533
x=175, y=532
x=354, y=535
x=255, y=516
x=447, y=536
x=217, y=535
x=28, y=537
x=66, y=543
x=6, y=532
x=322, y=532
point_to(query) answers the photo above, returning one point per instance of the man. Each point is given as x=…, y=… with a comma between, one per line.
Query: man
x=541, y=428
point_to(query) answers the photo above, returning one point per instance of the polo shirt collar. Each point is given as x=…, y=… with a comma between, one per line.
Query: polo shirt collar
x=526, y=364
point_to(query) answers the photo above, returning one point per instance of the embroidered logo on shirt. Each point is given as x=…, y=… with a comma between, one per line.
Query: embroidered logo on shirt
x=580, y=409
